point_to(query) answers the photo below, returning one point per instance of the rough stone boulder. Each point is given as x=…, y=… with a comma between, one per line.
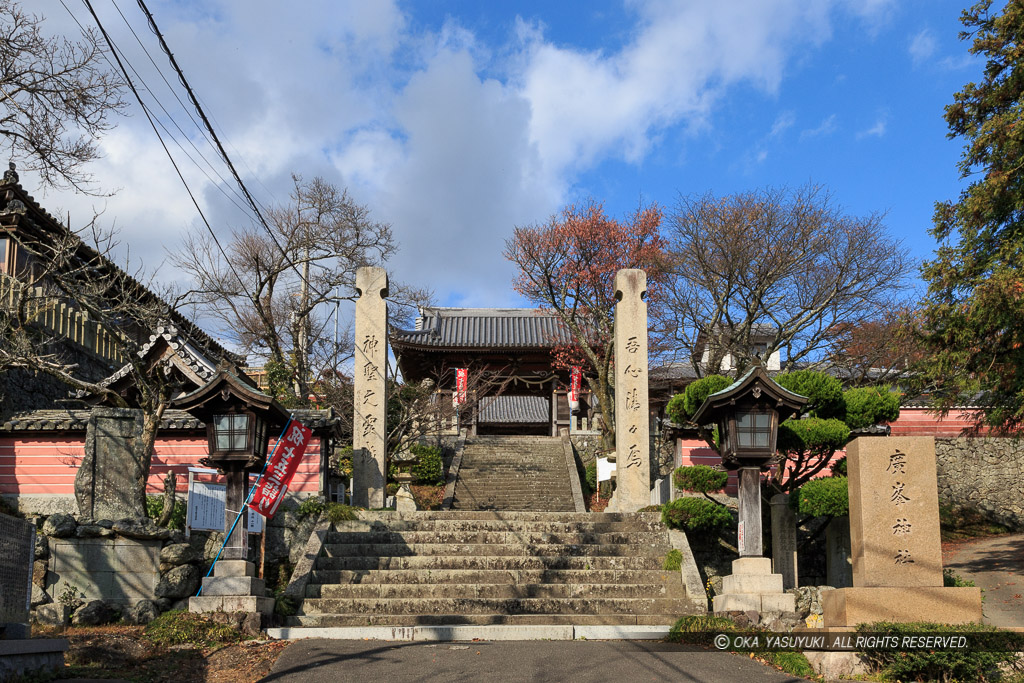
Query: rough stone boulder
x=59, y=525
x=94, y=613
x=51, y=614
x=142, y=612
x=42, y=547
x=141, y=529
x=180, y=582
x=178, y=554
x=93, y=531
x=39, y=597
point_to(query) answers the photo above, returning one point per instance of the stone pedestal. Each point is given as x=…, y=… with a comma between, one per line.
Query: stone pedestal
x=753, y=586
x=784, y=541
x=851, y=606
x=232, y=588
x=632, y=412
x=894, y=537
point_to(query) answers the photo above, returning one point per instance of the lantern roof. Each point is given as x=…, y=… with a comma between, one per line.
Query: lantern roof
x=226, y=392
x=753, y=387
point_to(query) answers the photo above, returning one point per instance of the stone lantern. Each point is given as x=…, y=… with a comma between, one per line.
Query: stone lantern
x=239, y=421
x=748, y=413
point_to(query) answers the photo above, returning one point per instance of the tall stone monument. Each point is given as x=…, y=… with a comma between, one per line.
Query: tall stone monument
x=894, y=538
x=370, y=398
x=110, y=482
x=784, y=541
x=632, y=426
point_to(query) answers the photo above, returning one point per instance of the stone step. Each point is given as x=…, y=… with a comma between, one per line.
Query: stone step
x=453, y=526
x=466, y=606
x=494, y=537
x=510, y=562
x=491, y=576
x=495, y=549
x=423, y=515
x=343, y=620
x=503, y=591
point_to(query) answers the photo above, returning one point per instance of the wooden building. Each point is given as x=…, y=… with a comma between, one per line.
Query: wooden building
x=512, y=386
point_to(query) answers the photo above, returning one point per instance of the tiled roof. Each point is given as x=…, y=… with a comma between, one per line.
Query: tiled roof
x=484, y=328
x=517, y=409
x=78, y=419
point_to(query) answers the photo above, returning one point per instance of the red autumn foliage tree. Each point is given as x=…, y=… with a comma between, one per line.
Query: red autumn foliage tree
x=568, y=265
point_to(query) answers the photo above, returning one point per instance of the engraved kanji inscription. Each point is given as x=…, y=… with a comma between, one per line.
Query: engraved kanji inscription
x=901, y=527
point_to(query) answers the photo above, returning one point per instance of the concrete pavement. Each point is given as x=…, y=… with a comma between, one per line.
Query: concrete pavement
x=324, y=661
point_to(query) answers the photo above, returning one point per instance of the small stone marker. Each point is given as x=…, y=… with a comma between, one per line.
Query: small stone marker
x=894, y=535
x=370, y=398
x=838, y=567
x=109, y=482
x=632, y=426
x=784, y=541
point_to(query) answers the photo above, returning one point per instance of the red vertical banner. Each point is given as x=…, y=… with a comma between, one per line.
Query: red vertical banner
x=575, y=378
x=461, y=386
x=281, y=468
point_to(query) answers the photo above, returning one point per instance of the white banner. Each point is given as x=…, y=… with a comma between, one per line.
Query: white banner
x=605, y=469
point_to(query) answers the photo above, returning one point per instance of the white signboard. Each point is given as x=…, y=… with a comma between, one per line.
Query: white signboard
x=605, y=469
x=206, y=508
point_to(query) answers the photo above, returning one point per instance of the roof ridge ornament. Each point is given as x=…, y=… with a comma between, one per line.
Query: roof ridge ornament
x=11, y=174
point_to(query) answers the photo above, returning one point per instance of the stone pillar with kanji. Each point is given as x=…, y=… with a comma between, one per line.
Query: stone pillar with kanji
x=895, y=542
x=632, y=427
x=369, y=443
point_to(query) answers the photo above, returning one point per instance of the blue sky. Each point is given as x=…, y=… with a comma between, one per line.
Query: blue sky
x=457, y=121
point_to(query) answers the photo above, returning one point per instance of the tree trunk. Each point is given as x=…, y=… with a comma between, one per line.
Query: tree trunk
x=170, y=489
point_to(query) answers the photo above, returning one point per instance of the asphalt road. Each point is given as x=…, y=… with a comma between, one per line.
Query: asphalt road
x=996, y=564
x=314, y=660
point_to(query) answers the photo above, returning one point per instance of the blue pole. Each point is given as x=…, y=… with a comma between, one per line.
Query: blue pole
x=245, y=504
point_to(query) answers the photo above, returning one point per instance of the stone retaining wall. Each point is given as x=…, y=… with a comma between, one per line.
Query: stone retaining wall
x=986, y=474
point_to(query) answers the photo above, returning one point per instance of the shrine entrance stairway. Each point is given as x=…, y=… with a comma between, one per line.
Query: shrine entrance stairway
x=492, y=568
x=513, y=473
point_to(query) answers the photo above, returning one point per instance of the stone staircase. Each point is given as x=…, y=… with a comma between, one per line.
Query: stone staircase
x=493, y=568
x=513, y=473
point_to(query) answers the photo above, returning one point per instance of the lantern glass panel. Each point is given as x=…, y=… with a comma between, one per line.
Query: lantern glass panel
x=752, y=429
x=232, y=432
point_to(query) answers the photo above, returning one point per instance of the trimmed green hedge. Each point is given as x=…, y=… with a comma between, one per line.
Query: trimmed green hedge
x=867, y=406
x=824, y=392
x=935, y=665
x=828, y=496
x=812, y=434
x=683, y=406
x=699, y=479
x=698, y=515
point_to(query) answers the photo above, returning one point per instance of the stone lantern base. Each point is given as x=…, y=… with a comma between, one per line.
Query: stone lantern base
x=232, y=588
x=752, y=586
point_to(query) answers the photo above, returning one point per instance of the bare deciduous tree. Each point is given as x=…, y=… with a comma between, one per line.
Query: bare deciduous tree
x=789, y=263
x=56, y=98
x=274, y=295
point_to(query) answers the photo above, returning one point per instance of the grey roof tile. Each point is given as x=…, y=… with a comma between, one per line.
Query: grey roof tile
x=484, y=327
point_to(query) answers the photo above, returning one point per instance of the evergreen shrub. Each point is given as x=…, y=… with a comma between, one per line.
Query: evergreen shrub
x=698, y=515
x=825, y=497
x=699, y=479
x=824, y=392
x=429, y=466
x=867, y=406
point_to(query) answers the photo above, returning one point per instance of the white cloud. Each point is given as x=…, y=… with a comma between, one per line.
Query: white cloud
x=452, y=140
x=877, y=130
x=922, y=46
x=824, y=129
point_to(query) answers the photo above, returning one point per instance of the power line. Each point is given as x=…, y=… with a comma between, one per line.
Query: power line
x=149, y=118
x=202, y=115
